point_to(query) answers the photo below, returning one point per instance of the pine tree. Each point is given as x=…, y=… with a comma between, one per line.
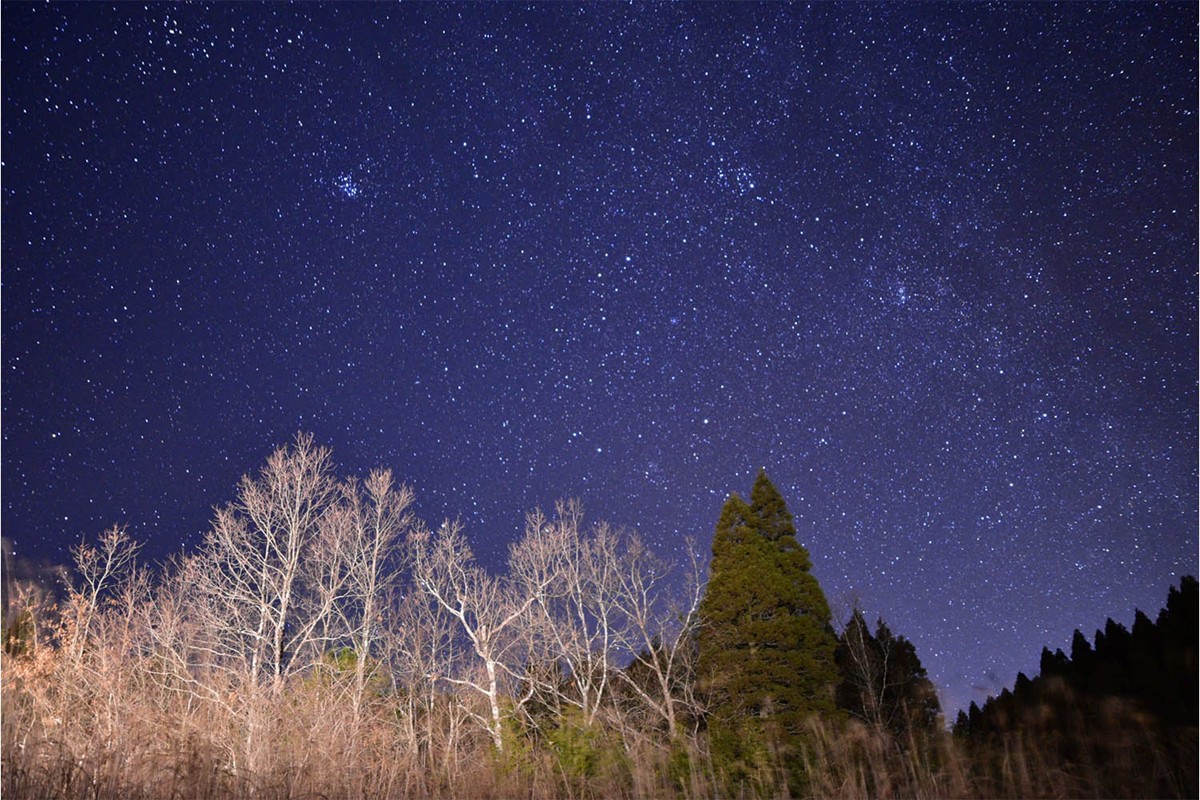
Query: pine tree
x=883, y=682
x=766, y=646
x=1130, y=690
x=1177, y=624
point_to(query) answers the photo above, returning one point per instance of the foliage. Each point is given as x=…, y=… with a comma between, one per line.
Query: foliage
x=514, y=757
x=1088, y=714
x=883, y=682
x=19, y=633
x=410, y=671
x=765, y=647
x=584, y=751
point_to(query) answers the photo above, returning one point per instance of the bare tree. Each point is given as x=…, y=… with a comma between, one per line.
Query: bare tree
x=254, y=558
x=658, y=630
x=263, y=658
x=189, y=663
x=109, y=675
x=883, y=682
x=424, y=644
x=574, y=613
x=100, y=568
x=362, y=538
x=260, y=618
x=867, y=671
x=492, y=612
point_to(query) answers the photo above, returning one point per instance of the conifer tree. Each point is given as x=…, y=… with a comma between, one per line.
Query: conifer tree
x=883, y=681
x=1075, y=704
x=766, y=646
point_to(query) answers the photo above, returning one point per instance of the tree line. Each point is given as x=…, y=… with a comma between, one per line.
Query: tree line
x=324, y=640
x=1125, y=707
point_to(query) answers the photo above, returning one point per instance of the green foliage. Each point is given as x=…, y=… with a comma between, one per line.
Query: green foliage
x=516, y=759
x=339, y=667
x=344, y=659
x=580, y=748
x=679, y=765
x=739, y=753
x=766, y=647
x=586, y=754
x=134, y=714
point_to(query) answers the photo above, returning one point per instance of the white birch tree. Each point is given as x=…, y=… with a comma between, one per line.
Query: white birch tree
x=491, y=612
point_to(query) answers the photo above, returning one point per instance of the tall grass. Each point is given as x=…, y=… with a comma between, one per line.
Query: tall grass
x=1113, y=749
x=65, y=736
x=112, y=718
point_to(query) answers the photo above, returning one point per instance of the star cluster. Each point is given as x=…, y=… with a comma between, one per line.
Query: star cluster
x=932, y=266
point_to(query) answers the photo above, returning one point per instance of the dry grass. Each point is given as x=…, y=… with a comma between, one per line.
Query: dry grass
x=106, y=721
x=118, y=734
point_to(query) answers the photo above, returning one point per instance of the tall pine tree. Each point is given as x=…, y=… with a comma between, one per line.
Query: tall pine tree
x=766, y=645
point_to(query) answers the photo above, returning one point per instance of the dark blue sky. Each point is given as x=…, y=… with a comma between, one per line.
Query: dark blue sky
x=934, y=267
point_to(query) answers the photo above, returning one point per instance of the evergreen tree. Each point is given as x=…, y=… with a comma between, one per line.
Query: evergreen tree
x=1130, y=691
x=974, y=718
x=774, y=520
x=883, y=682
x=1055, y=663
x=766, y=646
x=1177, y=625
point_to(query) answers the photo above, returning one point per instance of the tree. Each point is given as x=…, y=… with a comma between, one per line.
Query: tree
x=659, y=631
x=575, y=614
x=883, y=682
x=492, y=612
x=766, y=646
x=361, y=536
x=259, y=594
x=424, y=644
x=810, y=619
x=100, y=569
x=255, y=560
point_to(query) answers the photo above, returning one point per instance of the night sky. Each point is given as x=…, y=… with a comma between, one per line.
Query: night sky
x=934, y=267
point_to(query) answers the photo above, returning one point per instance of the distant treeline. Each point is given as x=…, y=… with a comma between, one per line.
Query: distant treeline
x=1124, y=707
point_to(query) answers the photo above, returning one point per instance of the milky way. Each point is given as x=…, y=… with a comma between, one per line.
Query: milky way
x=932, y=266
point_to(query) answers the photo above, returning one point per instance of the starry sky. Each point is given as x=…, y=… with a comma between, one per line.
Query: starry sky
x=933, y=266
